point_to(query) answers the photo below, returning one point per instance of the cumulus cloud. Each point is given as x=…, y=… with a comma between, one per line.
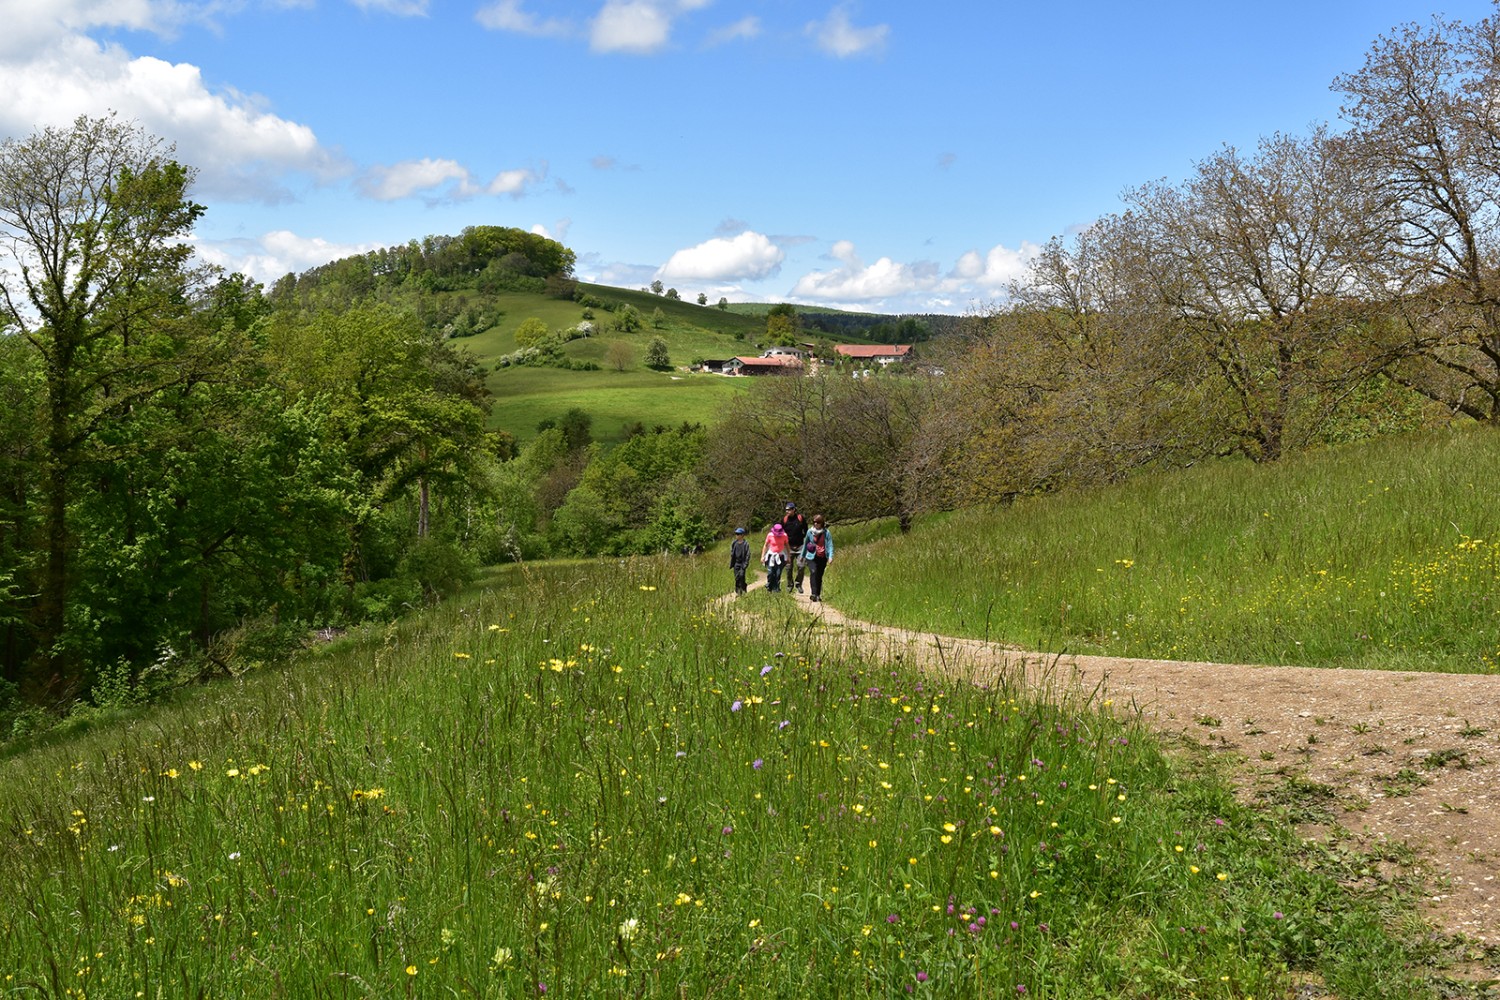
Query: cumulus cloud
x=242, y=151
x=410, y=177
x=838, y=36
x=992, y=270
x=855, y=281
x=639, y=27
x=280, y=252
x=745, y=257
x=508, y=15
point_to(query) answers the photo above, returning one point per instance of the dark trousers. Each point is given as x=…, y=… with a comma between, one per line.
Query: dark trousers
x=773, y=577
x=794, y=571
x=739, y=580
x=815, y=570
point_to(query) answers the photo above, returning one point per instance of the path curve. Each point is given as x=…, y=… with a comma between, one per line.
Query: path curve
x=1408, y=758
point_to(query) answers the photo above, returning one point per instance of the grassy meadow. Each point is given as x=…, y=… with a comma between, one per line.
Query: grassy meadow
x=589, y=780
x=524, y=396
x=1380, y=555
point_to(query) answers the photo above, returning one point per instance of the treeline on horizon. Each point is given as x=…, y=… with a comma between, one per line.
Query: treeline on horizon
x=205, y=470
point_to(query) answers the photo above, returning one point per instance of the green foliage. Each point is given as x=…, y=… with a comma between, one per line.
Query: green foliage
x=531, y=332
x=627, y=320
x=657, y=355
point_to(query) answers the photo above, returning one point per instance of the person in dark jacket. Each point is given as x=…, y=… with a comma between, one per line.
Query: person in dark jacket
x=817, y=553
x=739, y=559
x=795, y=526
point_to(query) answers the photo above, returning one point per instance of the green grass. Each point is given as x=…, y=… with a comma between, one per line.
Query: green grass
x=585, y=781
x=525, y=396
x=1383, y=555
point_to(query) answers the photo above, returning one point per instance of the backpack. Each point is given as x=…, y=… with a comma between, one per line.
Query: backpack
x=815, y=548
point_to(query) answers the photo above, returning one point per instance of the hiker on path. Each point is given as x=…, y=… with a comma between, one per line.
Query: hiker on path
x=817, y=553
x=739, y=559
x=774, y=555
x=795, y=526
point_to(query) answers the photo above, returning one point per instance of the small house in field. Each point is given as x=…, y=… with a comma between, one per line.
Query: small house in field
x=780, y=364
x=781, y=352
x=881, y=354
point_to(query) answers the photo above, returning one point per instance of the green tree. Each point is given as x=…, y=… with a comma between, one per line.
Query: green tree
x=627, y=320
x=723, y=303
x=657, y=355
x=93, y=225
x=658, y=318
x=703, y=298
x=783, y=325
x=656, y=287
x=530, y=332
x=672, y=294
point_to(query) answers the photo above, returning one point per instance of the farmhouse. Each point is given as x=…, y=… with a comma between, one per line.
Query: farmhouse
x=884, y=354
x=777, y=364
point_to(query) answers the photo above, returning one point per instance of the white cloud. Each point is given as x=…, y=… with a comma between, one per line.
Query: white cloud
x=748, y=256
x=405, y=179
x=507, y=15
x=838, y=36
x=276, y=253
x=51, y=73
x=557, y=231
x=745, y=27
x=240, y=150
x=854, y=281
x=401, y=8
x=640, y=27
x=992, y=270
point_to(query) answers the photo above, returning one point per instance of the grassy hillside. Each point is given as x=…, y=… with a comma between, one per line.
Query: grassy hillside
x=583, y=781
x=525, y=395
x=1384, y=554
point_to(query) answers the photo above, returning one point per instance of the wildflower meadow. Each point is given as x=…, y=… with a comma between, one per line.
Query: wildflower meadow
x=588, y=781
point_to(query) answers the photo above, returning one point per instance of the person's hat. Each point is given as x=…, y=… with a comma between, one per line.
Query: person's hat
x=790, y=505
x=739, y=531
x=777, y=529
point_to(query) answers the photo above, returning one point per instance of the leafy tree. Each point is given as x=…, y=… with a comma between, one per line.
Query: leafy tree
x=723, y=303
x=627, y=320
x=577, y=428
x=783, y=325
x=657, y=355
x=658, y=318
x=657, y=286
x=93, y=225
x=531, y=332
x=672, y=294
x=703, y=298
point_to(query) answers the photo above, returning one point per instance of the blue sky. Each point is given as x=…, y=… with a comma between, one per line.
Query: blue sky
x=887, y=156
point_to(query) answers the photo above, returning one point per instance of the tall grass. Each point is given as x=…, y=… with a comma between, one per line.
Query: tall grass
x=1379, y=555
x=583, y=783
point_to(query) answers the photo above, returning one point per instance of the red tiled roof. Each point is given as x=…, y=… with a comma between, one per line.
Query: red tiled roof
x=776, y=361
x=873, y=350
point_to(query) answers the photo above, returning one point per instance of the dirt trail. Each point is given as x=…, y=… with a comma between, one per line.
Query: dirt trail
x=1393, y=757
